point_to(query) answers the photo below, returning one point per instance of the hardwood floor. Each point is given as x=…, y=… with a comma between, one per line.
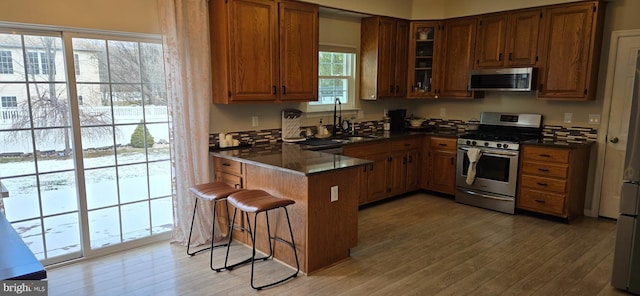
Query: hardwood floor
x=416, y=245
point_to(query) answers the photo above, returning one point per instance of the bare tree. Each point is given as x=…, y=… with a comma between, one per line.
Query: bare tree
x=47, y=108
x=134, y=72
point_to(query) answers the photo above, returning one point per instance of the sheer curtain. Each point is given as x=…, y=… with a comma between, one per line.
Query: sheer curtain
x=185, y=41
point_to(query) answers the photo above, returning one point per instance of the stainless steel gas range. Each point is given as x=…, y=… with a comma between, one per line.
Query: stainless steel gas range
x=492, y=152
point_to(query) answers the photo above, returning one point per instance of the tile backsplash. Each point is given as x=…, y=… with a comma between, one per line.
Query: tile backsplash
x=549, y=132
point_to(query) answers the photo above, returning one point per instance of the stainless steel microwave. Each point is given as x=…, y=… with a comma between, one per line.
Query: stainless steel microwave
x=504, y=79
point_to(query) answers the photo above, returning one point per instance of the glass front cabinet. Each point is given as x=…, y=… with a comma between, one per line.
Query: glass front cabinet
x=423, y=58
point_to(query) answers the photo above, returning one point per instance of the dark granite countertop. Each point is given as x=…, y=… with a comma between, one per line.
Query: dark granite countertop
x=302, y=159
x=291, y=158
x=558, y=143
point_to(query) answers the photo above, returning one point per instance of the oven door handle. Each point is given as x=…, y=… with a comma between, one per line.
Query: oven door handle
x=484, y=195
x=493, y=153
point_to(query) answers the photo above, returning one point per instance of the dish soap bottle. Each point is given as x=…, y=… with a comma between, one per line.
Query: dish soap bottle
x=322, y=130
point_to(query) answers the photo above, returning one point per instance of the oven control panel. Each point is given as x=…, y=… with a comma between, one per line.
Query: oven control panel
x=488, y=144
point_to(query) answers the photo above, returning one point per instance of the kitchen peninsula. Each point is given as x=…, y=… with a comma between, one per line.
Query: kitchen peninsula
x=324, y=187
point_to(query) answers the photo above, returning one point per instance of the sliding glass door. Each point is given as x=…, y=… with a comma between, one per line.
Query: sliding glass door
x=84, y=136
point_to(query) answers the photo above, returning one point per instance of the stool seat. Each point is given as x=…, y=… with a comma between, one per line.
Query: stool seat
x=259, y=201
x=212, y=191
x=255, y=201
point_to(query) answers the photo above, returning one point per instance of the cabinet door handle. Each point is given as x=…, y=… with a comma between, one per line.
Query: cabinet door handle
x=511, y=56
x=410, y=159
x=543, y=170
x=500, y=57
x=275, y=89
x=364, y=168
x=284, y=89
x=542, y=184
x=397, y=89
x=540, y=201
x=404, y=160
x=452, y=162
x=391, y=88
x=371, y=167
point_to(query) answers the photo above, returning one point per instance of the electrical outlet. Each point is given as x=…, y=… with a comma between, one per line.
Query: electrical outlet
x=568, y=117
x=255, y=121
x=443, y=112
x=385, y=112
x=360, y=114
x=334, y=193
x=594, y=118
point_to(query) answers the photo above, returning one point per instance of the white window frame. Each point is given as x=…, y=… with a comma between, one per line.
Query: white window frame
x=351, y=104
x=6, y=62
x=6, y=99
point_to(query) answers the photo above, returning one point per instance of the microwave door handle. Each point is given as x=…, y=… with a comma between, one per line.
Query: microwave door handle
x=485, y=196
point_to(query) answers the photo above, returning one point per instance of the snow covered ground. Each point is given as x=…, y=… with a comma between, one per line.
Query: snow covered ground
x=147, y=201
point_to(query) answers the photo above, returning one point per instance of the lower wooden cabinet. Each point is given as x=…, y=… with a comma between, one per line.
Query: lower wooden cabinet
x=552, y=180
x=373, y=182
x=439, y=173
x=232, y=173
x=395, y=168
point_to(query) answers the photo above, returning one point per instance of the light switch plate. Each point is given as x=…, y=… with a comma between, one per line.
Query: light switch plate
x=594, y=118
x=443, y=112
x=568, y=117
x=334, y=193
x=255, y=121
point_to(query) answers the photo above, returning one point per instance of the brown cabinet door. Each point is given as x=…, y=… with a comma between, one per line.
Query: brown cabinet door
x=298, y=51
x=413, y=170
x=402, y=52
x=457, y=56
x=424, y=45
x=253, y=50
x=568, y=51
x=397, y=173
x=490, y=40
x=523, y=33
x=386, y=57
x=444, y=171
x=377, y=177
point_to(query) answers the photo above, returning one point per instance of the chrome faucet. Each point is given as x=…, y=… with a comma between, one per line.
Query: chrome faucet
x=335, y=115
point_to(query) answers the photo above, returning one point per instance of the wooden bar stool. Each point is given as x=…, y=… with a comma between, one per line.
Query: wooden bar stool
x=215, y=192
x=258, y=201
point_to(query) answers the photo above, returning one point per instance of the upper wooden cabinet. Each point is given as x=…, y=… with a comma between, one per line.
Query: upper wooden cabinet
x=571, y=51
x=457, y=56
x=384, y=47
x=508, y=39
x=263, y=51
x=424, y=47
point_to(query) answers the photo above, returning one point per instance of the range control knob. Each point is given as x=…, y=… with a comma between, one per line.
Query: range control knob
x=499, y=145
x=473, y=143
x=505, y=146
x=468, y=142
x=486, y=144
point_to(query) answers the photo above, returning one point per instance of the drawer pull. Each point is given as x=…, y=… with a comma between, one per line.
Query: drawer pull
x=543, y=170
x=542, y=184
x=442, y=144
x=407, y=144
x=544, y=155
x=540, y=201
x=226, y=164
